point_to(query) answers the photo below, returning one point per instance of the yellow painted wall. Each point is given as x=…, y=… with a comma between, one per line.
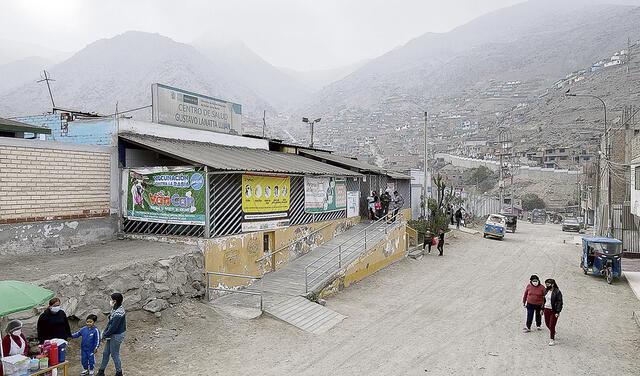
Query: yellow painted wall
x=385, y=252
x=238, y=254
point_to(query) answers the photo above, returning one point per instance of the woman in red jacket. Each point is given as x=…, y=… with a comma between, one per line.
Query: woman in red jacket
x=533, y=300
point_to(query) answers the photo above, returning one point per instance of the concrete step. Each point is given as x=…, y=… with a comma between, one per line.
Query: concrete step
x=304, y=314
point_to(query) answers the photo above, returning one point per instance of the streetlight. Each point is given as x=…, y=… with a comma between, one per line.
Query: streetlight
x=306, y=120
x=607, y=140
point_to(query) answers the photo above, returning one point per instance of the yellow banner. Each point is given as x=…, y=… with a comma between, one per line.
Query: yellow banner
x=265, y=194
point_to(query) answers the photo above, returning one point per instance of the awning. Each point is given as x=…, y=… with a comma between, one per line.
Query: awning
x=231, y=158
x=355, y=163
x=7, y=125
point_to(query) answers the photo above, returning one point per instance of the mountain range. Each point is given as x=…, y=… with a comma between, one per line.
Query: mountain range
x=535, y=42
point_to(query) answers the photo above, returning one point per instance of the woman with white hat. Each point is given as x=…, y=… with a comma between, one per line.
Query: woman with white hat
x=14, y=343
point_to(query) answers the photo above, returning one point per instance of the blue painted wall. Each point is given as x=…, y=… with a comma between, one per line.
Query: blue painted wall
x=88, y=132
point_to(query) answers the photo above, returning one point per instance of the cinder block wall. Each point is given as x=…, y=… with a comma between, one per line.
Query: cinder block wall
x=39, y=183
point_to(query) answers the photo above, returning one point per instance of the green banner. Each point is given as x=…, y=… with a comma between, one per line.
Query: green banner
x=167, y=197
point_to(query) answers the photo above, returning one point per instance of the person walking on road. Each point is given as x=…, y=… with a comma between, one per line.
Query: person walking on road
x=458, y=216
x=552, y=308
x=428, y=241
x=532, y=300
x=441, y=243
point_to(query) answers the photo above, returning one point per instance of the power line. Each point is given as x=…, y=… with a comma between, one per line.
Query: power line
x=127, y=111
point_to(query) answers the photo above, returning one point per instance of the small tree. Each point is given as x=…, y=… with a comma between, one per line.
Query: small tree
x=483, y=178
x=532, y=201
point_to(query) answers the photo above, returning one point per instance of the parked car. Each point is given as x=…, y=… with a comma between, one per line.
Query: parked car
x=571, y=224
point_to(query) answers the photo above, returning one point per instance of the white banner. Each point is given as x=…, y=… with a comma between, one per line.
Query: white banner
x=324, y=194
x=353, y=204
x=182, y=108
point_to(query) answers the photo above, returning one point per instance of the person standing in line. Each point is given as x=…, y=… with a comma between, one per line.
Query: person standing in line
x=114, y=335
x=552, y=308
x=441, y=243
x=398, y=203
x=458, y=216
x=385, y=200
x=53, y=323
x=532, y=301
x=372, y=205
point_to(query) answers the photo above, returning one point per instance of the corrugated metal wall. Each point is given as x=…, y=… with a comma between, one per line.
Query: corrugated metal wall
x=225, y=201
x=625, y=228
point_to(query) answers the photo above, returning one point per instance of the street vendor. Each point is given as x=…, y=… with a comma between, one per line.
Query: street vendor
x=14, y=343
x=53, y=323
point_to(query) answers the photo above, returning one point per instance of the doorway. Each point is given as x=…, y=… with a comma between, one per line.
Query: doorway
x=268, y=246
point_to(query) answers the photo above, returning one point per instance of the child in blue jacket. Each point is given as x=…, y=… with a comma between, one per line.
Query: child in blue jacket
x=90, y=342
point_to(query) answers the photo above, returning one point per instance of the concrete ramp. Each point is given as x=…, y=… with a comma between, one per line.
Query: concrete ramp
x=304, y=314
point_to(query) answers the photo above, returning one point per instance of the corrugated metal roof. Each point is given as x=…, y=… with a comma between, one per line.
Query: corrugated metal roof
x=9, y=125
x=232, y=158
x=354, y=163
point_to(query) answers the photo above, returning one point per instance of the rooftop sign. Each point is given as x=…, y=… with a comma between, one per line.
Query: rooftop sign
x=183, y=108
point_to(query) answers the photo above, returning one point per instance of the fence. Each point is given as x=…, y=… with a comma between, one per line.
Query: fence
x=479, y=205
x=625, y=228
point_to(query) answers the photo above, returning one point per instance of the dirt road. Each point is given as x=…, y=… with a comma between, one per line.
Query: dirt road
x=460, y=314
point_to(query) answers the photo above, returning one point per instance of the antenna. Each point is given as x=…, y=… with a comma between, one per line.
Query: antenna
x=47, y=79
x=264, y=122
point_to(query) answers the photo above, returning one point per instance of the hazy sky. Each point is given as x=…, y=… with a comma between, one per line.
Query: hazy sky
x=299, y=34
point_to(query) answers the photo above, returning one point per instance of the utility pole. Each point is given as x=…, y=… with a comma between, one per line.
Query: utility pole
x=606, y=136
x=426, y=163
x=503, y=139
x=264, y=122
x=47, y=79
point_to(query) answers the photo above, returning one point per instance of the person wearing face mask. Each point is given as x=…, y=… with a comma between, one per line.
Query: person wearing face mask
x=53, y=323
x=14, y=343
x=532, y=300
x=113, y=335
x=552, y=308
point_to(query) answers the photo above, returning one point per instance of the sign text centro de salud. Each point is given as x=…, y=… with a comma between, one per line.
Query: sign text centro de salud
x=172, y=106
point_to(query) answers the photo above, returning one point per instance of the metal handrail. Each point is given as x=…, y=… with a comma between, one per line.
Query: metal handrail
x=340, y=250
x=209, y=288
x=293, y=242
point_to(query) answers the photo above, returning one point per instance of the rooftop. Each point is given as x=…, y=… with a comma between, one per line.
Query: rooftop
x=233, y=158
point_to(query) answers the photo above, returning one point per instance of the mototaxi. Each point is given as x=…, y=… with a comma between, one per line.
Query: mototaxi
x=602, y=256
x=495, y=226
x=512, y=222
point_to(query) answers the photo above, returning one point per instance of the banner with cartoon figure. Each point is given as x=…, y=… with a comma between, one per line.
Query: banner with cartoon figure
x=265, y=194
x=166, y=197
x=324, y=194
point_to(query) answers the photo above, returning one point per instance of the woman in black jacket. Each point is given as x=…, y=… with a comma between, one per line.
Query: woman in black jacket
x=53, y=323
x=552, y=307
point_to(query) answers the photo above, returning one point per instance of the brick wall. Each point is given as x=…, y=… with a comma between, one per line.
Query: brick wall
x=635, y=147
x=39, y=184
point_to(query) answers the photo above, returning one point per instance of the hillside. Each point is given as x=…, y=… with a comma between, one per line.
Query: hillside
x=484, y=71
x=121, y=70
x=239, y=64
